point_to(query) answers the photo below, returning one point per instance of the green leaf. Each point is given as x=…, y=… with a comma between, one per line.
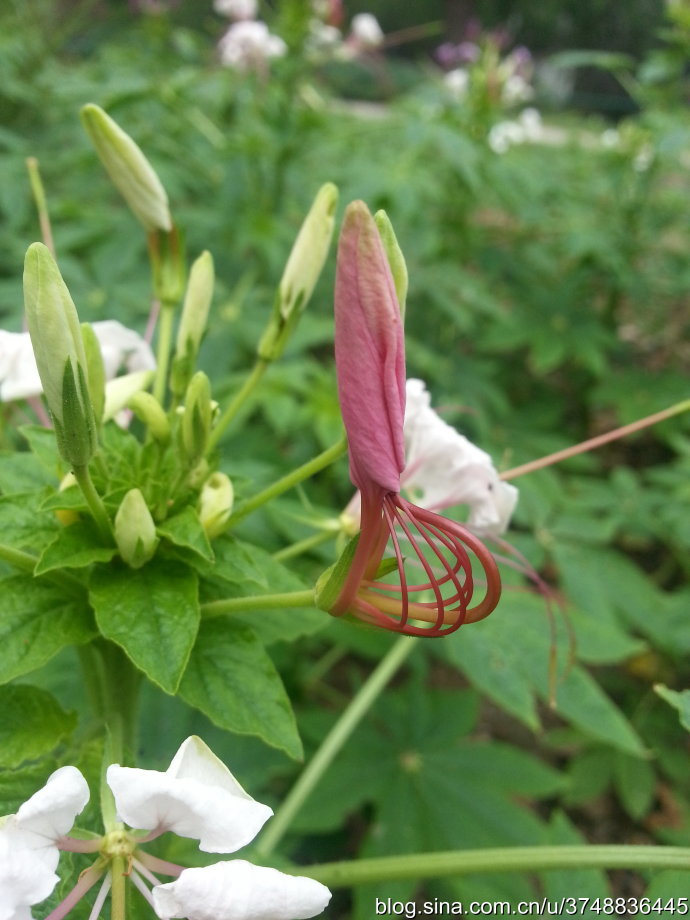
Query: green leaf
x=22, y=472
x=679, y=700
x=75, y=546
x=231, y=679
x=43, y=445
x=563, y=883
x=23, y=525
x=635, y=782
x=16, y=786
x=152, y=613
x=36, y=621
x=32, y=723
x=185, y=530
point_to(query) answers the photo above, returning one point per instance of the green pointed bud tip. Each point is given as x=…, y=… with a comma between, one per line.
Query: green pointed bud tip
x=309, y=252
x=396, y=259
x=197, y=416
x=215, y=504
x=193, y=321
x=149, y=411
x=135, y=530
x=130, y=171
x=330, y=583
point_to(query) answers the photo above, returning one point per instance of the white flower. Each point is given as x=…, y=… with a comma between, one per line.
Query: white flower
x=504, y=134
x=458, y=82
x=121, y=348
x=366, y=31
x=443, y=468
x=237, y=9
x=28, y=842
x=248, y=45
x=257, y=893
x=197, y=797
x=516, y=89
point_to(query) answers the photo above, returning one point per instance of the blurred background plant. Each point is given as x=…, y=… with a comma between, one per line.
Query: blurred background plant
x=547, y=250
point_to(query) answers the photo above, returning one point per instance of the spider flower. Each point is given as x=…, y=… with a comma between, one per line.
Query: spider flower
x=432, y=594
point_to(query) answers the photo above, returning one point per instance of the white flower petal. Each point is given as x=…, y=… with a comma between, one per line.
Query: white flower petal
x=238, y=890
x=49, y=813
x=444, y=468
x=122, y=347
x=18, y=372
x=119, y=391
x=196, y=797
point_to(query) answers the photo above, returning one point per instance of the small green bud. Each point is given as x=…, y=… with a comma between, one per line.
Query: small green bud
x=148, y=410
x=215, y=504
x=135, y=531
x=192, y=322
x=118, y=392
x=95, y=371
x=60, y=357
x=197, y=416
x=396, y=259
x=301, y=272
x=129, y=170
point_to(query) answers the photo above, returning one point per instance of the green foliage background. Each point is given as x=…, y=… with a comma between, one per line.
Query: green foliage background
x=548, y=302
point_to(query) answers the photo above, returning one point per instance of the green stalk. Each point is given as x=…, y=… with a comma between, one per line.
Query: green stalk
x=498, y=859
x=303, y=546
x=310, y=468
x=118, y=907
x=333, y=742
x=236, y=403
x=94, y=501
x=165, y=331
x=258, y=602
x=39, y=194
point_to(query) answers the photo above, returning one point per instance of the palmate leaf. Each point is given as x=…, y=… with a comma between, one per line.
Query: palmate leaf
x=507, y=657
x=231, y=679
x=37, y=619
x=152, y=613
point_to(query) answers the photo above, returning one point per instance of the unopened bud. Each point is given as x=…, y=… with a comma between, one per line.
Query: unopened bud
x=129, y=170
x=301, y=272
x=135, y=530
x=215, y=503
x=396, y=259
x=197, y=416
x=118, y=392
x=60, y=357
x=192, y=322
x=148, y=410
x=95, y=370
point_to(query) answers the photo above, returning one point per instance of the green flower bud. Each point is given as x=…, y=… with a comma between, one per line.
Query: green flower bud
x=129, y=170
x=118, y=392
x=148, y=410
x=193, y=322
x=60, y=357
x=215, y=503
x=301, y=272
x=95, y=371
x=168, y=269
x=396, y=259
x=135, y=531
x=197, y=416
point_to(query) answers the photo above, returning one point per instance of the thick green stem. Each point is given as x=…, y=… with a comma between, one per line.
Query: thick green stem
x=503, y=859
x=118, y=907
x=165, y=331
x=236, y=403
x=333, y=742
x=257, y=602
x=598, y=441
x=310, y=468
x=95, y=502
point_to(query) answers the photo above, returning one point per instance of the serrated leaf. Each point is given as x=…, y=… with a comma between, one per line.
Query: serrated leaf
x=74, y=547
x=231, y=679
x=152, y=613
x=185, y=530
x=32, y=723
x=23, y=525
x=36, y=621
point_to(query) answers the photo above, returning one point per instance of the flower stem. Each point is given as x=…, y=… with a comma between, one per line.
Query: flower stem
x=310, y=468
x=597, y=441
x=94, y=501
x=38, y=192
x=118, y=910
x=258, y=602
x=499, y=859
x=303, y=546
x=333, y=742
x=165, y=330
x=236, y=403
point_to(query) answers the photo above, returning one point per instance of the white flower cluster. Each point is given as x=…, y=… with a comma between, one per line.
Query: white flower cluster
x=195, y=797
x=526, y=128
x=122, y=348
